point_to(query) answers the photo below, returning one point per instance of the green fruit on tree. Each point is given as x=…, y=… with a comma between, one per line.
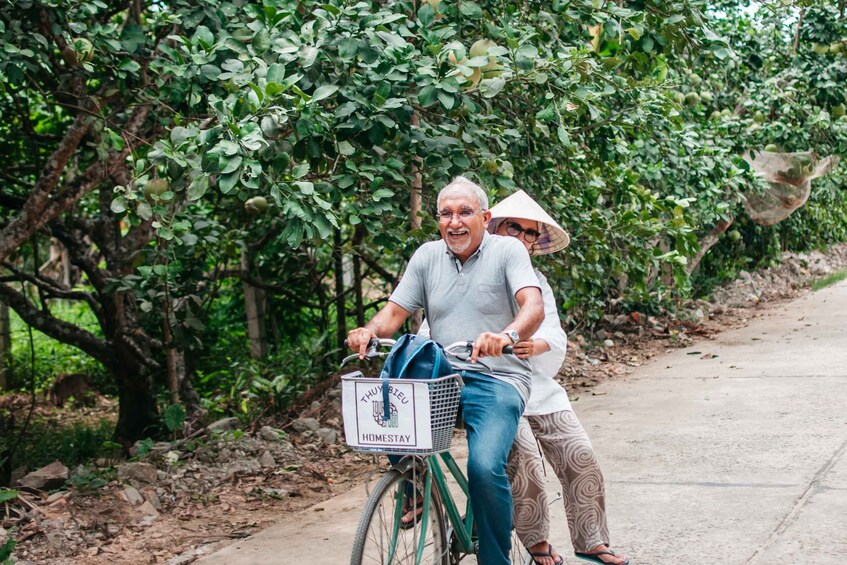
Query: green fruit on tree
x=820, y=49
x=715, y=115
x=726, y=112
x=480, y=48
x=759, y=117
x=734, y=235
x=772, y=147
x=706, y=97
x=492, y=70
x=256, y=205
x=84, y=48
x=155, y=188
x=679, y=98
x=473, y=79
x=490, y=166
x=838, y=111
x=835, y=48
x=692, y=98
x=695, y=79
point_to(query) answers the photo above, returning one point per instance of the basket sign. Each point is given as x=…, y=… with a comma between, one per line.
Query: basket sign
x=364, y=412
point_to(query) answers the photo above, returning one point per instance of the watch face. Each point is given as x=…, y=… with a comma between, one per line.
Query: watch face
x=513, y=335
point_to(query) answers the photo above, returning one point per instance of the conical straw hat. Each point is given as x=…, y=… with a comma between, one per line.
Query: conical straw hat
x=521, y=205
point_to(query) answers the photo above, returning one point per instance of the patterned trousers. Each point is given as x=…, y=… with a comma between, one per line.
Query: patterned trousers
x=569, y=452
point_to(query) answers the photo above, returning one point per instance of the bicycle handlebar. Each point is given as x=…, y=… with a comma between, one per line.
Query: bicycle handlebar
x=375, y=343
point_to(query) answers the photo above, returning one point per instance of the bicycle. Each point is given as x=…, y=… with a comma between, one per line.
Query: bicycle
x=438, y=533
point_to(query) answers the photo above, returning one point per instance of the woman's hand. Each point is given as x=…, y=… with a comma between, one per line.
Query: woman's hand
x=529, y=347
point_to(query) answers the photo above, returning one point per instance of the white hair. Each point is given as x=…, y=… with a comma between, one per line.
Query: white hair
x=462, y=186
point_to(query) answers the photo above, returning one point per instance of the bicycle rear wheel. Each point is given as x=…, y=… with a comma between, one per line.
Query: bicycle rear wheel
x=380, y=539
x=519, y=555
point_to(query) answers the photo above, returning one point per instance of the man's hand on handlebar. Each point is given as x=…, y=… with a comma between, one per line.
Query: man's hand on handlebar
x=359, y=339
x=489, y=344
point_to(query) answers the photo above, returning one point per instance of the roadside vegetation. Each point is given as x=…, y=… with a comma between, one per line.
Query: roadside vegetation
x=198, y=200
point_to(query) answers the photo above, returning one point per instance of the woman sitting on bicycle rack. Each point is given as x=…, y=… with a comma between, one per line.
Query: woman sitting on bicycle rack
x=474, y=287
x=549, y=418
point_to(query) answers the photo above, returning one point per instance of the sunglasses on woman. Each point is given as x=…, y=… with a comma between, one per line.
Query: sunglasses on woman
x=515, y=230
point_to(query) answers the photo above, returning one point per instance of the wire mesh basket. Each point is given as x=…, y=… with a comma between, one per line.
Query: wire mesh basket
x=367, y=409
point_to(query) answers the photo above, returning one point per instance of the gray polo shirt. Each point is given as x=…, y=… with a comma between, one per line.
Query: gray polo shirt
x=463, y=301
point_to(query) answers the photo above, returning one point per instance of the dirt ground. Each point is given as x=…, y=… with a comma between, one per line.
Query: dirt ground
x=178, y=500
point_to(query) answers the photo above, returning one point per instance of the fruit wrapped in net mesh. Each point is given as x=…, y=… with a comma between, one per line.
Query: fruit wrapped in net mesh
x=789, y=182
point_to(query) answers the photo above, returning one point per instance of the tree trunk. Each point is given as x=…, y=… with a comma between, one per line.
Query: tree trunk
x=174, y=363
x=340, y=306
x=357, y=275
x=706, y=243
x=253, y=307
x=138, y=416
x=5, y=346
x=415, y=200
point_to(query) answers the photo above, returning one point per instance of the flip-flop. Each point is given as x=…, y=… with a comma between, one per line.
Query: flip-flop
x=594, y=557
x=548, y=553
x=409, y=507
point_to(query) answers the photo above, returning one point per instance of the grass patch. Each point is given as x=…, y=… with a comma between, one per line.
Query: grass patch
x=80, y=442
x=829, y=280
x=52, y=357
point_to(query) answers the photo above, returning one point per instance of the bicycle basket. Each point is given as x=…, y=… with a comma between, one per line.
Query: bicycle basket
x=422, y=414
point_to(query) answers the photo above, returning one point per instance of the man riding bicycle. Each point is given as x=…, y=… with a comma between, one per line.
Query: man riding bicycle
x=493, y=302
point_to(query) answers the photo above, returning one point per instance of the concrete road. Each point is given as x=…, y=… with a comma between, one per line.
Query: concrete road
x=728, y=452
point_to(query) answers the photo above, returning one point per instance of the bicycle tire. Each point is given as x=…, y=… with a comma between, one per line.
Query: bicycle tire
x=377, y=530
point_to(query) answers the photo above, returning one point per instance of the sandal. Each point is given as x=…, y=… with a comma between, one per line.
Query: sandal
x=410, y=507
x=548, y=553
x=595, y=557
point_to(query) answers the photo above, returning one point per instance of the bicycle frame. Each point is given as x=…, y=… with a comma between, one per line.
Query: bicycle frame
x=462, y=526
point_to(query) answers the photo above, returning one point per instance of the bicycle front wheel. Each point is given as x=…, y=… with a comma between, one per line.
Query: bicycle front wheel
x=382, y=539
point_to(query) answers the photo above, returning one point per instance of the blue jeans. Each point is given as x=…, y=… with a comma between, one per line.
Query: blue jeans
x=491, y=410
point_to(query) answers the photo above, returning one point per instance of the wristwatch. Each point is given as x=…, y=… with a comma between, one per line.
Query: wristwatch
x=513, y=335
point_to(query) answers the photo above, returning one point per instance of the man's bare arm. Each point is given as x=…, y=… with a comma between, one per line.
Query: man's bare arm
x=384, y=324
x=526, y=322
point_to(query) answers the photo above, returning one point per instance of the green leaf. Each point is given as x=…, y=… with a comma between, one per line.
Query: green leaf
x=262, y=42
x=382, y=193
x=198, y=187
x=300, y=171
x=210, y=72
x=345, y=148
x=276, y=73
x=324, y=91
x=428, y=95
x=392, y=39
x=230, y=165
x=426, y=14
x=119, y=205
x=129, y=65
x=470, y=10
x=490, y=87
x=174, y=417
x=204, y=36
x=228, y=182
x=6, y=495
x=447, y=99
x=144, y=210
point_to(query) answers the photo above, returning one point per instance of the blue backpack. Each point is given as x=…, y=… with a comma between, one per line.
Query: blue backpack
x=413, y=357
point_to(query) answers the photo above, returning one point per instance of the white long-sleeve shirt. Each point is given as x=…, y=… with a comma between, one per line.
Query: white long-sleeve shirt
x=547, y=395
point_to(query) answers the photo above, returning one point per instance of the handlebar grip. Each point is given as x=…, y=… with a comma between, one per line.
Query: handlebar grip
x=509, y=349
x=374, y=341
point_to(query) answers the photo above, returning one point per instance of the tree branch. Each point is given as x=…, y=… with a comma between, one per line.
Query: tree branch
x=32, y=217
x=59, y=330
x=50, y=287
x=706, y=243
